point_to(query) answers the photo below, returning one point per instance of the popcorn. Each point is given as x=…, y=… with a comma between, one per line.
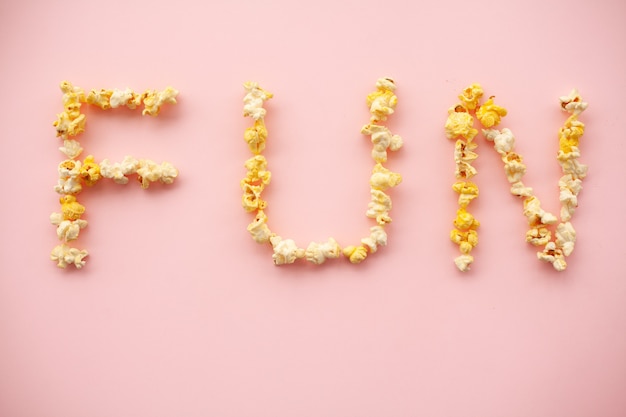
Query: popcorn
x=490, y=114
x=382, y=178
x=73, y=173
x=379, y=207
x=503, y=140
x=377, y=237
x=466, y=239
x=100, y=98
x=463, y=262
x=570, y=165
x=382, y=102
x=460, y=123
x=569, y=187
x=356, y=254
x=464, y=170
x=255, y=136
x=67, y=230
x=118, y=171
x=71, y=148
x=514, y=168
x=463, y=152
x=520, y=190
x=69, y=177
x=535, y=214
x=570, y=133
x=254, y=100
x=470, y=96
x=382, y=140
x=126, y=98
x=285, y=251
x=553, y=255
x=65, y=255
x=153, y=100
x=565, y=238
x=464, y=220
x=538, y=235
x=573, y=103
x=467, y=192
x=317, y=253
x=259, y=230
x=90, y=171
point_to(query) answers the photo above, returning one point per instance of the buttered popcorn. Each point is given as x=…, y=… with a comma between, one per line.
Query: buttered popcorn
x=75, y=174
x=381, y=104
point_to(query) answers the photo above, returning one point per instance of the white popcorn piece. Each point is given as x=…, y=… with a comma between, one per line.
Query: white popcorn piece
x=520, y=190
x=382, y=178
x=285, y=251
x=535, y=214
x=64, y=255
x=573, y=103
x=464, y=152
x=570, y=165
x=377, y=237
x=565, y=238
x=382, y=139
x=119, y=170
x=463, y=262
x=253, y=101
x=569, y=187
x=67, y=230
x=503, y=140
x=259, y=230
x=379, y=207
x=69, y=181
x=464, y=170
x=317, y=253
x=553, y=255
x=71, y=148
x=514, y=168
x=121, y=98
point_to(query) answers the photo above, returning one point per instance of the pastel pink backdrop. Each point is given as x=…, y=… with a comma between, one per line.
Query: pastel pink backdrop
x=179, y=313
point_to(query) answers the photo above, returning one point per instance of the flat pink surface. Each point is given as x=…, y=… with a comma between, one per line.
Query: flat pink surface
x=179, y=313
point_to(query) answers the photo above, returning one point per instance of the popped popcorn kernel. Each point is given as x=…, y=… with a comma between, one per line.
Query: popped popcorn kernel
x=377, y=237
x=570, y=165
x=126, y=98
x=463, y=262
x=150, y=171
x=67, y=230
x=70, y=208
x=251, y=199
x=153, y=100
x=317, y=253
x=379, y=207
x=383, y=101
x=535, y=214
x=460, y=123
x=538, y=235
x=467, y=192
x=466, y=239
x=89, y=171
x=356, y=254
x=65, y=255
x=470, y=96
x=71, y=148
x=69, y=177
x=503, y=140
x=518, y=189
x=382, y=178
x=100, y=98
x=570, y=133
x=254, y=100
x=490, y=114
x=383, y=139
x=464, y=220
x=464, y=152
x=259, y=230
x=285, y=251
x=67, y=125
x=255, y=136
x=514, y=167
x=573, y=103
x=118, y=171
x=553, y=255
x=565, y=238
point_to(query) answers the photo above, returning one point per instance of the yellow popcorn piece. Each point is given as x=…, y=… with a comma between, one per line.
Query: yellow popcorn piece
x=356, y=254
x=383, y=101
x=382, y=178
x=470, y=96
x=466, y=239
x=90, y=171
x=70, y=208
x=377, y=238
x=467, y=192
x=460, y=123
x=464, y=220
x=553, y=255
x=570, y=133
x=490, y=114
x=101, y=98
x=256, y=136
x=259, y=230
x=538, y=236
x=153, y=100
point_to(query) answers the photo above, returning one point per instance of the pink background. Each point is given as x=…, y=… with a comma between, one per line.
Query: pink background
x=179, y=313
